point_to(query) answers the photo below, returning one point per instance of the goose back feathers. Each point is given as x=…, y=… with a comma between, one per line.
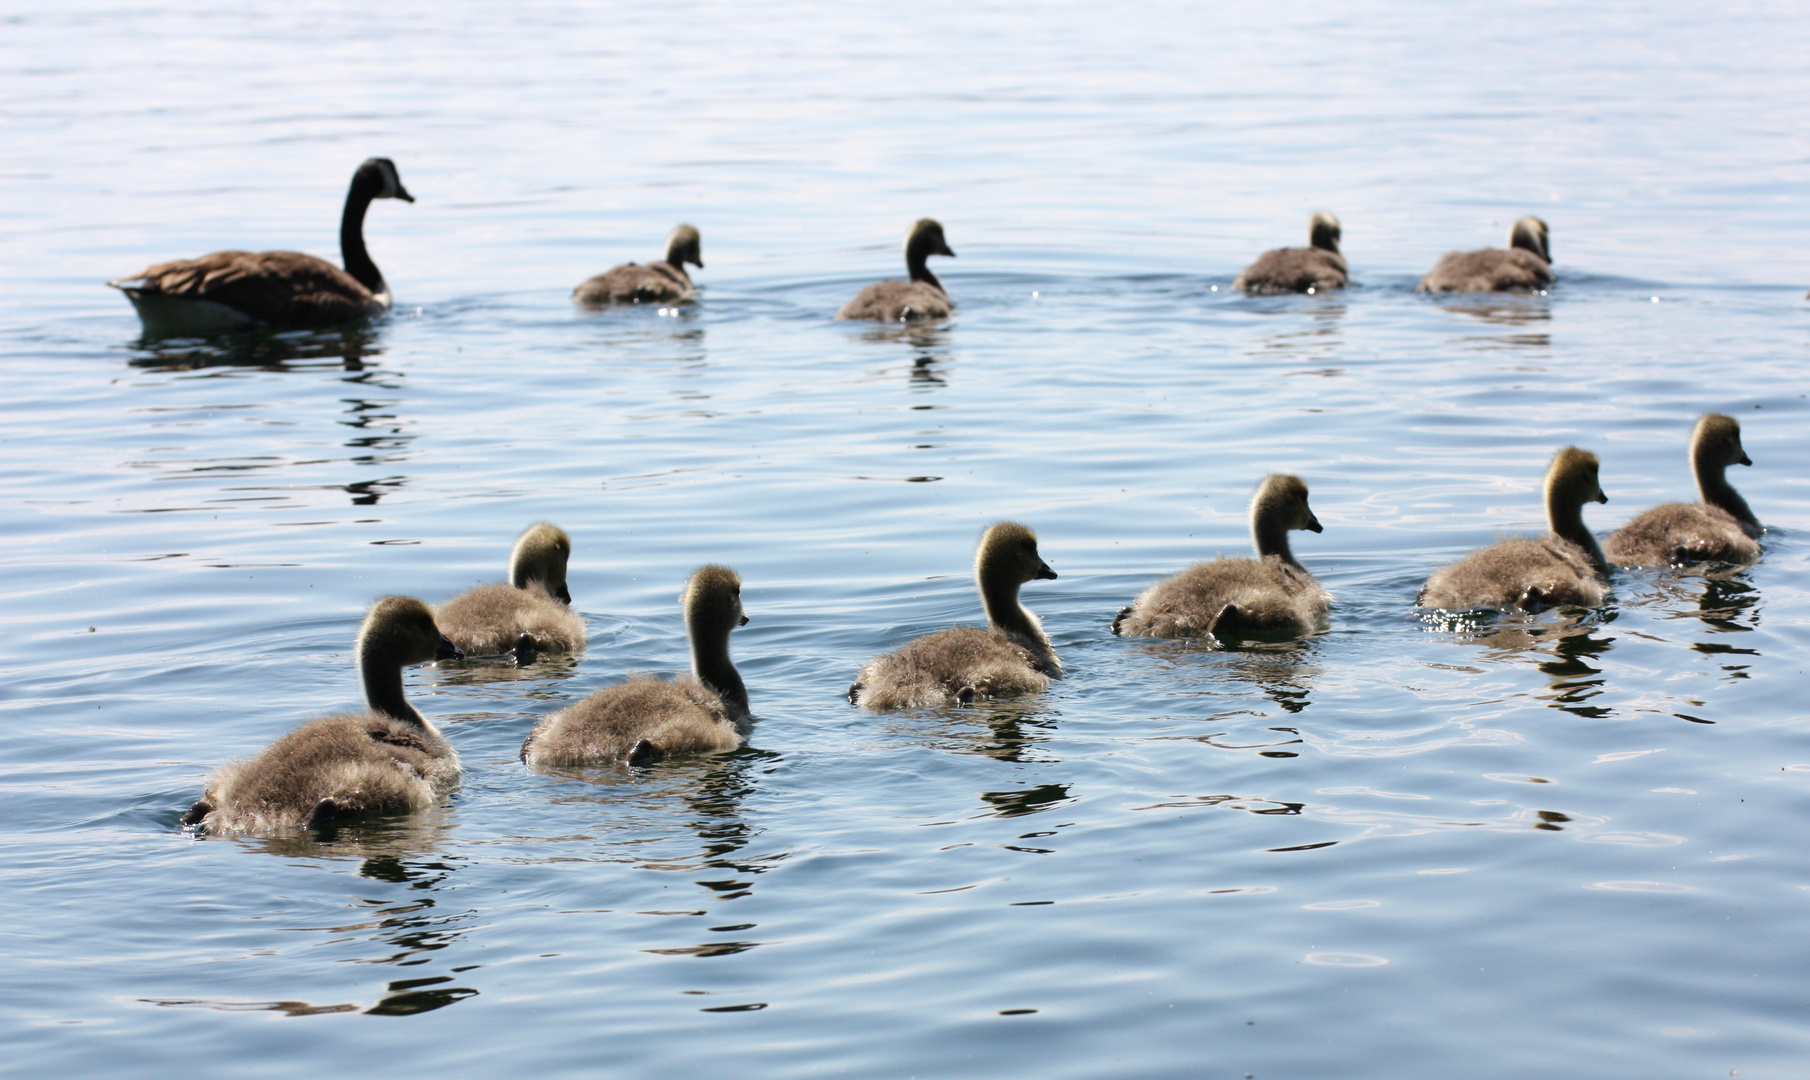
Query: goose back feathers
x=281, y=290
x=1563, y=567
x=385, y=760
x=530, y=614
x=1012, y=656
x=662, y=282
x=1315, y=268
x=1234, y=598
x=644, y=720
x=1524, y=267
x=920, y=298
x=1719, y=528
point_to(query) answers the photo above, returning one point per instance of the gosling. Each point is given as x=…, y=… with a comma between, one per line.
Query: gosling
x=1564, y=567
x=1234, y=598
x=922, y=298
x=1524, y=267
x=664, y=282
x=1720, y=528
x=526, y=616
x=644, y=720
x=385, y=760
x=1012, y=656
x=1312, y=269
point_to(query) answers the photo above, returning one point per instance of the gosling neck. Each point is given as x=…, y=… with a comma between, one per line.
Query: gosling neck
x=1713, y=487
x=1566, y=516
x=352, y=234
x=917, y=264
x=675, y=258
x=1005, y=615
x=711, y=664
x=382, y=678
x=1270, y=536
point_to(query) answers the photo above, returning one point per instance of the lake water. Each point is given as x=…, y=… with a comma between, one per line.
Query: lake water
x=1566, y=845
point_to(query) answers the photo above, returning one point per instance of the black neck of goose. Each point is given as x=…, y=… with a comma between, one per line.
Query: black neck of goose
x=917, y=264
x=675, y=258
x=382, y=677
x=1005, y=615
x=1271, y=537
x=711, y=664
x=1713, y=487
x=352, y=232
x=1566, y=516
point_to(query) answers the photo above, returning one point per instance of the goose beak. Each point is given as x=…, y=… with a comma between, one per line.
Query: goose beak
x=945, y=250
x=744, y=621
x=403, y=194
x=1601, y=496
x=1745, y=460
x=447, y=650
x=565, y=595
x=1313, y=524
x=1044, y=573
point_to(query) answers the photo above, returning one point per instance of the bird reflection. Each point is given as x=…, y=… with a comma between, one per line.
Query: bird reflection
x=406, y=929
x=1528, y=314
x=1319, y=339
x=930, y=345
x=347, y=347
x=1282, y=671
x=1032, y=800
x=1569, y=642
x=381, y=439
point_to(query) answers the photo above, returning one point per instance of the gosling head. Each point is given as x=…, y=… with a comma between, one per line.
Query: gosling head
x=378, y=176
x=401, y=629
x=1008, y=554
x=1717, y=442
x=685, y=246
x=1323, y=232
x=926, y=238
x=541, y=555
x=1572, y=479
x=713, y=603
x=1530, y=234
x=1282, y=499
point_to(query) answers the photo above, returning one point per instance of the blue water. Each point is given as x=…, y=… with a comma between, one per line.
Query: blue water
x=1565, y=845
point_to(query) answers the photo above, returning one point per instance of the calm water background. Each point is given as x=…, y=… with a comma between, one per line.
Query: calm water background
x=1561, y=846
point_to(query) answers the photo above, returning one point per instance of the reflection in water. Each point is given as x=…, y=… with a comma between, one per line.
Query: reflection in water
x=1566, y=636
x=1319, y=338
x=346, y=347
x=381, y=440
x=1032, y=800
x=407, y=928
x=931, y=345
x=1281, y=670
x=1529, y=314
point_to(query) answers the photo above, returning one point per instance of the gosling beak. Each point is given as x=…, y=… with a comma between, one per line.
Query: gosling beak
x=698, y=262
x=565, y=595
x=744, y=621
x=447, y=650
x=1745, y=460
x=1313, y=523
x=402, y=193
x=1601, y=496
x=946, y=251
x=1044, y=573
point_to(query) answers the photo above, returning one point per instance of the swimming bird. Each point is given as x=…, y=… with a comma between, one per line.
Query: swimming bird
x=644, y=720
x=1232, y=598
x=920, y=298
x=1720, y=528
x=528, y=615
x=385, y=760
x=1315, y=268
x=1011, y=656
x=1563, y=567
x=278, y=290
x=1524, y=267
x=662, y=282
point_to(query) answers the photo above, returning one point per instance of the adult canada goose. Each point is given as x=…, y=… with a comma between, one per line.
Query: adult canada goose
x=1011, y=656
x=920, y=298
x=644, y=720
x=1720, y=528
x=528, y=615
x=385, y=760
x=663, y=282
x=1563, y=567
x=1312, y=269
x=1232, y=598
x=279, y=290
x=1524, y=267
